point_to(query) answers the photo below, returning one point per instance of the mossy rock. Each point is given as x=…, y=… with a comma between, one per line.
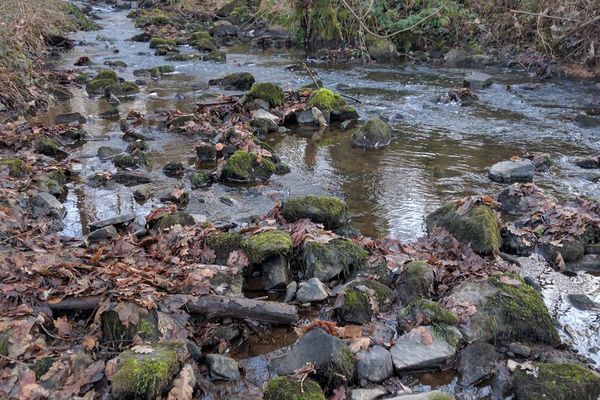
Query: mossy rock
x=155, y=72
x=557, y=382
x=167, y=221
x=239, y=15
x=374, y=134
x=237, y=81
x=116, y=334
x=125, y=89
x=267, y=244
x=427, y=312
x=229, y=7
x=223, y=243
x=98, y=87
x=107, y=74
x=267, y=91
x=80, y=20
x=356, y=308
x=116, y=64
x=125, y=161
x=206, y=44
x=288, y=388
x=327, y=210
x=478, y=227
x=47, y=146
x=415, y=280
x=381, y=292
x=75, y=134
x=146, y=376
x=199, y=35
x=155, y=42
x=338, y=258
x=199, y=180
x=517, y=313
x=326, y=100
x=245, y=167
x=215, y=55
x=16, y=167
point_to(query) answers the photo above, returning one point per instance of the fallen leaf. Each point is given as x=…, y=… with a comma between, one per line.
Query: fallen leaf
x=183, y=386
x=359, y=344
x=142, y=349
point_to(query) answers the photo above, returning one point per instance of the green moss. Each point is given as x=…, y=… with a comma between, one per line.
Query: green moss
x=263, y=245
x=199, y=180
x=215, y=55
x=429, y=312
x=126, y=89
x=116, y=64
x=356, y=308
x=16, y=167
x=519, y=313
x=557, y=382
x=75, y=134
x=240, y=14
x=269, y=92
x=116, y=334
x=107, y=74
x=340, y=370
x=223, y=243
x=441, y=396
x=145, y=376
x=125, y=161
x=326, y=100
x=97, y=86
x=159, y=41
x=338, y=257
x=382, y=292
x=478, y=227
x=167, y=221
x=206, y=45
x=47, y=146
x=199, y=35
x=40, y=367
x=330, y=211
x=244, y=166
x=288, y=388
x=160, y=20
x=80, y=20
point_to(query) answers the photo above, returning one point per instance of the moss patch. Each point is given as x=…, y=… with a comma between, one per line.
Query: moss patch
x=116, y=334
x=155, y=42
x=339, y=257
x=47, y=146
x=244, y=166
x=518, y=313
x=288, y=388
x=199, y=180
x=107, y=74
x=429, y=311
x=267, y=91
x=16, y=167
x=557, y=382
x=167, y=221
x=80, y=20
x=381, y=291
x=223, y=243
x=356, y=308
x=326, y=100
x=145, y=376
x=327, y=210
x=339, y=371
x=263, y=245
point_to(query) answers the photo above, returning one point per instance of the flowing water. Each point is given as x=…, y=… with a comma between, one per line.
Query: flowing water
x=442, y=152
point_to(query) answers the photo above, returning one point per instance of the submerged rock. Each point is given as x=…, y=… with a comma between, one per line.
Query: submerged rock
x=245, y=167
x=478, y=227
x=289, y=388
x=556, y=381
x=102, y=234
x=117, y=220
x=478, y=80
x=339, y=257
x=327, y=210
x=512, y=171
x=374, y=134
x=67, y=119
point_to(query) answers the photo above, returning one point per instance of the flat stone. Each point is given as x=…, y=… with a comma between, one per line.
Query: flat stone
x=305, y=117
x=311, y=291
x=45, y=204
x=519, y=349
x=512, y=171
x=131, y=178
x=106, y=152
x=117, y=220
x=478, y=80
x=68, y=119
x=411, y=353
x=476, y=362
x=223, y=368
x=374, y=365
x=589, y=263
x=102, y=234
x=143, y=192
x=588, y=162
x=366, y=394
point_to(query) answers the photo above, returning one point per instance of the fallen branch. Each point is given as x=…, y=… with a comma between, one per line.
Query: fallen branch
x=351, y=98
x=311, y=75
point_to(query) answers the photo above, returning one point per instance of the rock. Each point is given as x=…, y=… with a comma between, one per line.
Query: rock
x=512, y=311
x=588, y=263
x=326, y=100
x=333, y=358
x=476, y=362
x=348, y=124
x=111, y=113
x=206, y=152
x=102, y=234
x=215, y=55
x=118, y=220
x=374, y=134
x=269, y=92
x=105, y=152
x=431, y=395
x=327, y=210
x=289, y=388
x=276, y=271
x=339, y=257
x=556, y=381
x=67, y=119
x=374, y=364
x=143, y=192
x=305, y=117
x=224, y=29
x=49, y=147
x=223, y=243
x=586, y=121
x=125, y=161
x=258, y=104
x=167, y=221
x=148, y=374
x=422, y=348
x=264, y=122
x=128, y=178
x=512, y=171
x=516, y=241
x=414, y=282
x=311, y=291
x=478, y=80
x=588, y=162
x=478, y=227
x=381, y=49
x=366, y=394
x=245, y=167
x=115, y=331
x=583, y=302
x=45, y=204
x=223, y=368
x=262, y=246
x=355, y=309
x=235, y=81
x=519, y=349
x=290, y=291
x=16, y=167
x=424, y=312
x=173, y=169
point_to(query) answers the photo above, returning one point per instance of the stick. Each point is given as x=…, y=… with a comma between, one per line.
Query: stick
x=351, y=98
x=311, y=75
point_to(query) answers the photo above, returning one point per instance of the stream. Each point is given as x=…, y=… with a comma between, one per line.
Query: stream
x=443, y=151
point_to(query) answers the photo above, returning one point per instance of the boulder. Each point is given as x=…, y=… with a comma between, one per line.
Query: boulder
x=326, y=100
x=45, y=204
x=276, y=272
x=339, y=257
x=512, y=171
x=222, y=367
x=264, y=122
x=478, y=80
x=381, y=49
x=269, y=92
x=235, y=81
x=167, y=221
x=67, y=119
x=414, y=282
x=333, y=358
x=246, y=167
x=476, y=362
x=289, y=388
x=478, y=227
x=557, y=381
x=507, y=309
x=327, y=210
x=355, y=309
x=311, y=291
x=49, y=147
x=374, y=364
x=374, y=134
x=206, y=152
x=264, y=245
x=224, y=29
x=102, y=234
x=424, y=348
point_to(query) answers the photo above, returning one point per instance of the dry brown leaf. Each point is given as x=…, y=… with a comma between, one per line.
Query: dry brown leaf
x=142, y=349
x=359, y=344
x=89, y=342
x=183, y=386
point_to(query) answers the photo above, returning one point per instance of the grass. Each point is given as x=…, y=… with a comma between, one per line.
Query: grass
x=23, y=26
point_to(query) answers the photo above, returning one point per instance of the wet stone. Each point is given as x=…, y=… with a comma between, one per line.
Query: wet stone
x=131, y=178
x=276, y=271
x=173, y=169
x=311, y=291
x=374, y=365
x=476, y=362
x=46, y=204
x=519, y=349
x=366, y=394
x=206, y=152
x=67, y=119
x=478, y=80
x=512, y=171
x=118, y=220
x=105, y=152
x=588, y=162
x=411, y=353
x=223, y=368
x=102, y=234
x=290, y=291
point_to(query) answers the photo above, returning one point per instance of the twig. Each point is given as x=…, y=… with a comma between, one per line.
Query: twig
x=311, y=75
x=217, y=103
x=543, y=15
x=351, y=98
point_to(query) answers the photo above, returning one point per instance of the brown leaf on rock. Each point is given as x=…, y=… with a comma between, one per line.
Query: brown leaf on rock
x=184, y=384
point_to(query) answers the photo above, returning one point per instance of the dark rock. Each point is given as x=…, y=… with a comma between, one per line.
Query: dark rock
x=118, y=220
x=424, y=312
x=588, y=162
x=355, y=309
x=588, y=263
x=235, y=81
x=105, y=152
x=131, y=178
x=102, y=234
x=410, y=353
x=374, y=134
x=276, y=271
x=173, y=169
x=258, y=104
x=374, y=364
x=586, y=121
x=516, y=241
x=339, y=257
x=512, y=171
x=327, y=210
x=478, y=80
x=290, y=291
x=224, y=29
x=520, y=349
x=556, y=381
x=46, y=204
x=476, y=362
x=223, y=368
x=414, y=282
